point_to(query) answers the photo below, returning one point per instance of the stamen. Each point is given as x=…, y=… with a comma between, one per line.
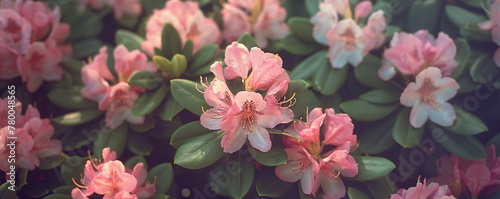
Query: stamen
x=286, y=101
x=79, y=186
x=91, y=161
x=307, y=116
x=204, y=112
x=432, y=103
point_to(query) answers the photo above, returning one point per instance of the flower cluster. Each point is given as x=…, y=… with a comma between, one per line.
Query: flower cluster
x=433, y=190
x=121, y=8
x=247, y=114
x=32, y=42
x=188, y=20
x=113, y=180
x=317, y=163
x=494, y=25
x=264, y=19
x=348, y=41
x=470, y=177
x=32, y=141
x=117, y=99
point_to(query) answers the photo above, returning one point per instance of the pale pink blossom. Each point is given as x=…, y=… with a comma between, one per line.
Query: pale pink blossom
x=41, y=131
x=428, y=98
x=123, y=8
x=118, y=105
x=125, y=195
x=41, y=63
x=126, y=63
x=15, y=31
x=341, y=6
x=363, y=9
x=308, y=162
x=113, y=179
x=265, y=19
x=94, y=76
x=78, y=194
x=323, y=21
x=40, y=16
x=188, y=20
x=143, y=189
x=424, y=191
x=346, y=46
x=411, y=53
x=22, y=147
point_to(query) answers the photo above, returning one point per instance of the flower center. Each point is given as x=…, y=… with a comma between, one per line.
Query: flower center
x=426, y=90
x=314, y=149
x=248, y=117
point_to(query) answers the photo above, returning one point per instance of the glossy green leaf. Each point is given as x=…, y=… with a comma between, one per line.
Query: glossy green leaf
x=169, y=108
x=115, y=139
x=164, y=175
x=170, y=41
x=382, y=187
x=312, y=6
x=139, y=144
x=301, y=27
x=328, y=80
x=495, y=141
x=72, y=168
x=131, y=162
x=51, y=162
x=484, y=69
x=201, y=151
x=275, y=156
x=380, y=96
x=186, y=93
x=466, y=83
x=296, y=46
x=310, y=65
x=464, y=146
x=70, y=99
x=179, y=65
x=471, y=31
x=278, y=132
x=130, y=40
x=378, y=136
x=6, y=192
x=148, y=101
x=462, y=56
x=354, y=193
x=187, y=51
x=66, y=189
x=247, y=40
x=365, y=111
x=66, y=82
x=77, y=117
x=367, y=73
x=460, y=16
x=404, y=133
x=387, y=8
x=466, y=123
x=271, y=186
x=84, y=25
x=165, y=129
x=241, y=180
x=160, y=196
x=370, y=168
x=187, y=132
x=203, y=57
x=148, y=124
x=146, y=79
x=86, y=48
x=163, y=64
x=424, y=14
x=299, y=88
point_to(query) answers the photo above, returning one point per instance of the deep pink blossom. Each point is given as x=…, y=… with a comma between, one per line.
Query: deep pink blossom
x=189, y=21
x=113, y=179
x=123, y=8
x=23, y=145
x=424, y=191
x=4, y=113
x=427, y=97
x=40, y=16
x=118, y=105
x=15, y=31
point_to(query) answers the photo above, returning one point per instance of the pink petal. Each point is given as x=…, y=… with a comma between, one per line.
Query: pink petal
x=338, y=128
x=237, y=60
x=333, y=189
x=363, y=9
x=444, y=116
x=77, y=194
x=419, y=115
x=234, y=140
x=259, y=138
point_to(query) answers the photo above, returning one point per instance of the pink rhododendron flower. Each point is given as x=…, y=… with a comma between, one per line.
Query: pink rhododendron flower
x=264, y=19
x=308, y=163
x=4, y=113
x=113, y=179
x=494, y=25
x=424, y=191
x=470, y=177
x=427, y=97
x=117, y=100
x=22, y=147
x=39, y=15
x=40, y=63
x=349, y=40
x=411, y=53
x=40, y=130
x=189, y=21
x=15, y=31
x=8, y=64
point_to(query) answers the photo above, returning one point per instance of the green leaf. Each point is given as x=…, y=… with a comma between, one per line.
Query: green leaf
x=377, y=137
x=164, y=174
x=84, y=25
x=131, y=162
x=466, y=123
x=164, y=129
x=462, y=56
x=484, y=69
x=179, y=65
x=460, y=16
x=312, y=6
x=75, y=137
x=70, y=99
x=275, y=156
x=58, y=196
x=146, y=126
x=295, y=46
x=271, y=186
x=466, y=83
x=130, y=40
x=65, y=189
x=170, y=41
x=65, y=83
x=187, y=51
x=380, y=96
x=354, y=193
x=6, y=192
x=139, y=144
x=299, y=87
x=115, y=139
x=424, y=14
x=203, y=57
x=201, y=151
x=146, y=79
x=309, y=66
x=159, y=196
x=302, y=28
x=187, y=132
x=86, y=48
x=163, y=64
x=128, y=21
x=370, y=168
x=241, y=178
x=148, y=101
x=186, y=93
x=328, y=80
x=367, y=73
x=495, y=140
x=365, y=111
x=72, y=168
x=472, y=32
x=278, y=132
x=404, y=133
x=51, y=162
x=169, y=108
x=382, y=187
x=247, y=40
x=77, y=117
x=464, y=146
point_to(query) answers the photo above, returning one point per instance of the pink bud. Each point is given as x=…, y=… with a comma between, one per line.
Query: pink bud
x=363, y=9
